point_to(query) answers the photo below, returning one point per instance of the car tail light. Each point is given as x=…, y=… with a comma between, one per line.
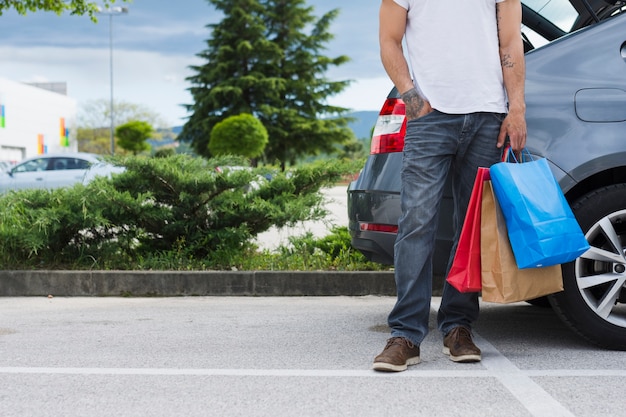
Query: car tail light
x=390, y=128
x=375, y=227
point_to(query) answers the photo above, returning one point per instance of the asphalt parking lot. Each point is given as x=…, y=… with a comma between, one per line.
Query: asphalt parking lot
x=280, y=356
x=277, y=356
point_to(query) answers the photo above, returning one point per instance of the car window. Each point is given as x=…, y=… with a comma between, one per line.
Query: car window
x=547, y=20
x=68, y=163
x=559, y=12
x=77, y=163
x=551, y=19
x=58, y=164
x=39, y=164
x=533, y=38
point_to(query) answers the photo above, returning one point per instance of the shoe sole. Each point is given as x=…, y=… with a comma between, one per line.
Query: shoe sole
x=389, y=367
x=462, y=358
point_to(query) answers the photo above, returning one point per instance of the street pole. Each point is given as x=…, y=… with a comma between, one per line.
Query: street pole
x=114, y=11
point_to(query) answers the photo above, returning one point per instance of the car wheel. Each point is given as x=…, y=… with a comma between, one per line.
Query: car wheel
x=594, y=300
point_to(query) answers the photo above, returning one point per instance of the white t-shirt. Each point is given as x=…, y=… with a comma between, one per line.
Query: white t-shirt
x=454, y=54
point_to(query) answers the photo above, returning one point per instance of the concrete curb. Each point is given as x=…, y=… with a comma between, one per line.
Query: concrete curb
x=197, y=283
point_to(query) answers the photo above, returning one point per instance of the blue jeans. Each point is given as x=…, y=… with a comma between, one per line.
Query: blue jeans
x=436, y=145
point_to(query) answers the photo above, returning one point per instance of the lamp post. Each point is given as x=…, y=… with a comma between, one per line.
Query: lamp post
x=113, y=11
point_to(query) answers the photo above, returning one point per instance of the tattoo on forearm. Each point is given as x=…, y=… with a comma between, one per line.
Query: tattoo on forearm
x=506, y=61
x=414, y=103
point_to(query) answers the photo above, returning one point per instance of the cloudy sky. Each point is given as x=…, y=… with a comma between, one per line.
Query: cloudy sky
x=154, y=45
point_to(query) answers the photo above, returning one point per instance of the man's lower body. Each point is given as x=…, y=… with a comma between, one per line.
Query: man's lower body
x=436, y=145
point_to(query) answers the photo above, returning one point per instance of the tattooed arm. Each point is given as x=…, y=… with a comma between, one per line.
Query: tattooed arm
x=391, y=32
x=509, y=18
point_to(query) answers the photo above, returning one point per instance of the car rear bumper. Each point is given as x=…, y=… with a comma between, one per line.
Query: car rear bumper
x=374, y=210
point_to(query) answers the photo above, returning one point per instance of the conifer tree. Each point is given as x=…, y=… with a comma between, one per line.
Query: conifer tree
x=265, y=58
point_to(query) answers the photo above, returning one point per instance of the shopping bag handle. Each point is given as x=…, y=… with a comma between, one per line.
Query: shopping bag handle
x=509, y=156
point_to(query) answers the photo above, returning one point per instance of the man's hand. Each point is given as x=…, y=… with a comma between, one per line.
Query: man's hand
x=513, y=127
x=415, y=104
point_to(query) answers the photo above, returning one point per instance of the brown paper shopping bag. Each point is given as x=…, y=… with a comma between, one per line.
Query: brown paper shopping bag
x=502, y=280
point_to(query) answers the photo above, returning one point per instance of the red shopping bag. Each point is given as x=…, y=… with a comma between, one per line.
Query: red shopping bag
x=465, y=272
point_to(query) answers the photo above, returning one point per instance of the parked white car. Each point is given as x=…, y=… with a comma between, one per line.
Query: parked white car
x=5, y=166
x=54, y=171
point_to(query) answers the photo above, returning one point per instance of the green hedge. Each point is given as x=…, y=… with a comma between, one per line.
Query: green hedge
x=175, y=212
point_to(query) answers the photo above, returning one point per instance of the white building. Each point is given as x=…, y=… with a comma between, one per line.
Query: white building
x=35, y=119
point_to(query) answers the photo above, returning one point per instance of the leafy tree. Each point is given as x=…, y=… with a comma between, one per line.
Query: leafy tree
x=271, y=67
x=78, y=7
x=94, y=114
x=132, y=136
x=241, y=135
x=94, y=123
x=96, y=141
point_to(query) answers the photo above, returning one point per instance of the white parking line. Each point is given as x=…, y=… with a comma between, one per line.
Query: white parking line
x=498, y=367
x=534, y=398
x=519, y=383
x=304, y=373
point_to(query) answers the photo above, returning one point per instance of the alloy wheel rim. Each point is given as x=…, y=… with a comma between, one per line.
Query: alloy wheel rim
x=601, y=271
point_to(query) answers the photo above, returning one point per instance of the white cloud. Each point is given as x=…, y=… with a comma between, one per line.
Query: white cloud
x=152, y=79
x=163, y=32
x=170, y=78
x=148, y=78
x=364, y=94
x=155, y=44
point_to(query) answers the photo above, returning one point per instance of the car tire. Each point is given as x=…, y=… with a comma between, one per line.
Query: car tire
x=594, y=300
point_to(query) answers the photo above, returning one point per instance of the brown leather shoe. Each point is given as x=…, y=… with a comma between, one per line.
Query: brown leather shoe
x=397, y=355
x=459, y=345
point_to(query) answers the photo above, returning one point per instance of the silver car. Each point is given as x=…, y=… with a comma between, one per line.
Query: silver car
x=54, y=171
x=576, y=114
x=5, y=166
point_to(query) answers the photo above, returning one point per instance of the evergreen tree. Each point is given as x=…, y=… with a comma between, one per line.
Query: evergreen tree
x=300, y=122
x=230, y=82
x=261, y=60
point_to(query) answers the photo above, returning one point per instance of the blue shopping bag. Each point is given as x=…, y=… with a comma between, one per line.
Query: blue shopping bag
x=541, y=226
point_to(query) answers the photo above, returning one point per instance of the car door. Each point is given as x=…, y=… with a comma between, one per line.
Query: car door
x=65, y=171
x=30, y=174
